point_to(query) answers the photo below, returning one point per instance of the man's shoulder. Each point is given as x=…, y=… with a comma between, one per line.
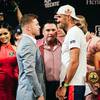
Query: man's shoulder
x=25, y=40
x=74, y=30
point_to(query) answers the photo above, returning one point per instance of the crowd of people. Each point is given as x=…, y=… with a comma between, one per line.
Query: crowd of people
x=54, y=67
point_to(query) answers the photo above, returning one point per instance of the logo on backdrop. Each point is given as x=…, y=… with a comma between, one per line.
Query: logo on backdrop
x=97, y=30
x=49, y=3
x=93, y=2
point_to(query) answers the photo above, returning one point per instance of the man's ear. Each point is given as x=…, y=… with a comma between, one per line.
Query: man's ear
x=27, y=27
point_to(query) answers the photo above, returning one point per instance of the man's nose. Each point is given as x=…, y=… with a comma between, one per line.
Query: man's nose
x=51, y=32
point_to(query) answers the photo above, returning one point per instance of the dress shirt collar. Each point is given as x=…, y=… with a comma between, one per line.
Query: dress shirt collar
x=46, y=46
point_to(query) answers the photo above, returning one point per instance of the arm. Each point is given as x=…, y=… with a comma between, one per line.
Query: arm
x=19, y=14
x=18, y=11
x=97, y=60
x=74, y=61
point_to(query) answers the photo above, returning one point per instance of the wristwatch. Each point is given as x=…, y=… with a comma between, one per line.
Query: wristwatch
x=65, y=84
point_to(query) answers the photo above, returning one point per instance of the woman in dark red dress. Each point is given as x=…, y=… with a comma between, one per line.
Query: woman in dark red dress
x=8, y=65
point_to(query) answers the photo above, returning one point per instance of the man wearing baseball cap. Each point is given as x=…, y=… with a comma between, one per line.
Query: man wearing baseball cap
x=17, y=34
x=73, y=69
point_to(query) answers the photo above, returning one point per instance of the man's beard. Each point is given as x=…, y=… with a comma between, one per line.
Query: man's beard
x=62, y=26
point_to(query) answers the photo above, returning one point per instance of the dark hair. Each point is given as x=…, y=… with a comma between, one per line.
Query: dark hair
x=49, y=22
x=18, y=30
x=9, y=28
x=27, y=18
x=6, y=25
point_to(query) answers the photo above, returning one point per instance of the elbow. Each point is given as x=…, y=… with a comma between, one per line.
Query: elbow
x=75, y=63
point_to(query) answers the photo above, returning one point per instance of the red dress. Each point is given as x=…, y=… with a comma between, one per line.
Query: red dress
x=8, y=72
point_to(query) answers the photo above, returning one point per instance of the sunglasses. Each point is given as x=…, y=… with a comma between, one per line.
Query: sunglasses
x=5, y=33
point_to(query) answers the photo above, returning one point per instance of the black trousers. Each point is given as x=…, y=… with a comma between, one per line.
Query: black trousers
x=51, y=87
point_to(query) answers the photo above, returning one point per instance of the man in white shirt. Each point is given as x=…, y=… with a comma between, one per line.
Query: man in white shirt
x=73, y=71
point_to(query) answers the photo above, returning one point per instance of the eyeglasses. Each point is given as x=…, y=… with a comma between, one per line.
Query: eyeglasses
x=5, y=33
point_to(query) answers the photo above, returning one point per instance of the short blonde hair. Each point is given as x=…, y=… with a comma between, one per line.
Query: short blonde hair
x=27, y=18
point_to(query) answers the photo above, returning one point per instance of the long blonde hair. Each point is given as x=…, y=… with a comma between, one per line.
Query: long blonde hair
x=82, y=23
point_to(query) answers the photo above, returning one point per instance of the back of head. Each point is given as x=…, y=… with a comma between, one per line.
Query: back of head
x=18, y=30
x=27, y=18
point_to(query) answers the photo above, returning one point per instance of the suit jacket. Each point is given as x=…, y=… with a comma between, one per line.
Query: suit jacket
x=31, y=70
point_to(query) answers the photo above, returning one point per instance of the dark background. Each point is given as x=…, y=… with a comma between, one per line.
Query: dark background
x=91, y=12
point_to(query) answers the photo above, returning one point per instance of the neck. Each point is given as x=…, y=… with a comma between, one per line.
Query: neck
x=29, y=33
x=70, y=26
x=6, y=43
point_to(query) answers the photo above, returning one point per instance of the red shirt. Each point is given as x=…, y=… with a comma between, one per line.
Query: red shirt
x=8, y=72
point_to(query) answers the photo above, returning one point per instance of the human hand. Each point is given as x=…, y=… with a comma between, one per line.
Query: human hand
x=97, y=85
x=95, y=88
x=14, y=5
x=41, y=98
x=61, y=92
